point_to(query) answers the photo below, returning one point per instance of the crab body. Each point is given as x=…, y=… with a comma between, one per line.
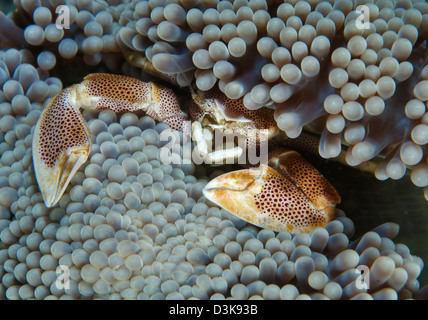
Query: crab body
x=246, y=132
x=296, y=198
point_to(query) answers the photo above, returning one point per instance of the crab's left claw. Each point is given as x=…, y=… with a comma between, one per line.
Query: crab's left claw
x=61, y=144
x=267, y=199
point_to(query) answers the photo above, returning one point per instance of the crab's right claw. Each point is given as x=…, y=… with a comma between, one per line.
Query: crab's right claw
x=267, y=199
x=61, y=144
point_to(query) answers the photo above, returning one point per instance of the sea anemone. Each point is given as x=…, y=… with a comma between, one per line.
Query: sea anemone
x=363, y=86
x=132, y=227
x=360, y=85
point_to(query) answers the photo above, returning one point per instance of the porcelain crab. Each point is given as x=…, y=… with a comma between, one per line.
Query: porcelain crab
x=284, y=193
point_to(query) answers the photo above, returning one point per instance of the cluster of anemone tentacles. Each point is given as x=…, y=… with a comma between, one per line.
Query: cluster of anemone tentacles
x=132, y=227
x=355, y=74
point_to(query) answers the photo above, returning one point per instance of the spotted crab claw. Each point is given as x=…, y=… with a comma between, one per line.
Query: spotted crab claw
x=100, y=91
x=61, y=144
x=305, y=177
x=280, y=202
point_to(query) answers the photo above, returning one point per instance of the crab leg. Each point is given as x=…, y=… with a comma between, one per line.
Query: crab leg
x=62, y=142
x=297, y=200
x=99, y=91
